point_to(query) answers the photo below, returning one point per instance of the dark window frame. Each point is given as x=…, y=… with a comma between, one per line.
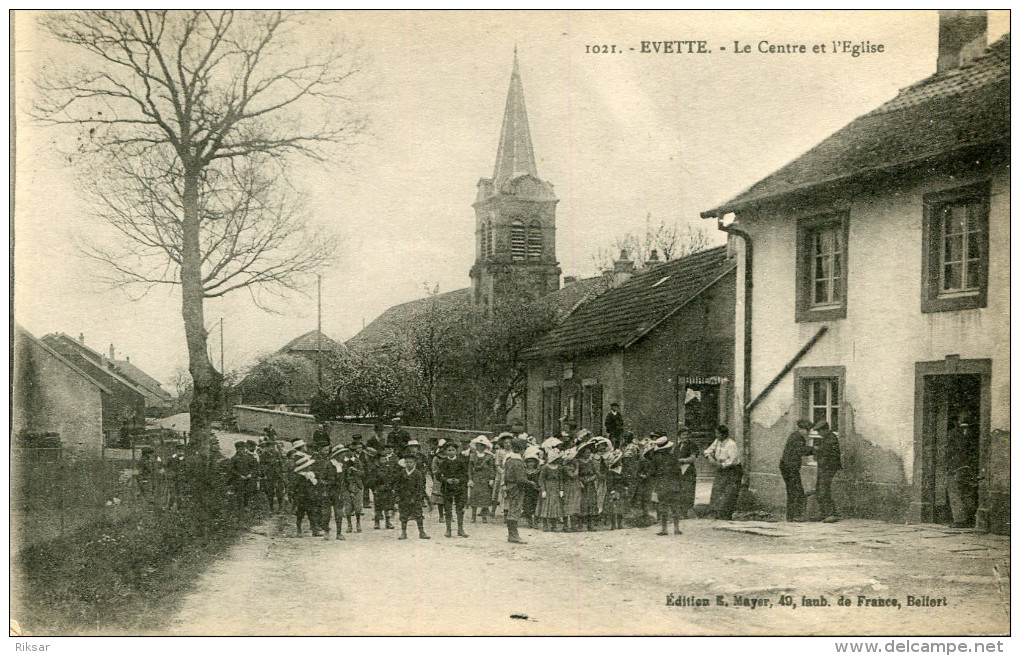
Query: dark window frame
x=804, y=376
x=932, y=297
x=806, y=227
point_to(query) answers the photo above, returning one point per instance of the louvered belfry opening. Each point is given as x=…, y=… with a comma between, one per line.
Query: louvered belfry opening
x=535, y=242
x=518, y=242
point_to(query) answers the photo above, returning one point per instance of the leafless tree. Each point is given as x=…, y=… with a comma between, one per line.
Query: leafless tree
x=667, y=240
x=192, y=117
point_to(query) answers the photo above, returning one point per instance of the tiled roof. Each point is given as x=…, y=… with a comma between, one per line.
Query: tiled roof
x=964, y=108
x=569, y=297
x=382, y=331
x=624, y=314
x=59, y=342
x=309, y=342
x=142, y=379
x=21, y=333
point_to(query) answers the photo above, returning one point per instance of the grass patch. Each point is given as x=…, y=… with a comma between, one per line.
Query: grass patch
x=124, y=576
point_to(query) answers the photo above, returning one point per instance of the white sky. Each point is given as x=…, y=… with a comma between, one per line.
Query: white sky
x=619, y=135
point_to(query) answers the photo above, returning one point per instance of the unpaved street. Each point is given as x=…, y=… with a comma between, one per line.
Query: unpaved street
x=606, y=582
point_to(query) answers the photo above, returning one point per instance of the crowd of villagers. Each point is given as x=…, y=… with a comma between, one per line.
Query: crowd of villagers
x=584, y=482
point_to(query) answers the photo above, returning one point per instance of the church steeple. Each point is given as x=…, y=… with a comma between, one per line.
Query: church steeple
x=515, y=155
x=515, y=215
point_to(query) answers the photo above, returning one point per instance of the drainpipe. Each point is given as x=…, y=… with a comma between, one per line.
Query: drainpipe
x=745, y=413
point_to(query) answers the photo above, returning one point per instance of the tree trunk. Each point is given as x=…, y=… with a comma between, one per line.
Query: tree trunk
x=205, y=379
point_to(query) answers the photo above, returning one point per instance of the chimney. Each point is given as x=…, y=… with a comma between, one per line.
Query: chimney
x=569, y=280
x=653, y=259
x=128, y=358
x=112, y=356
x=623, y=268
x=81, y=338
x=963, y=35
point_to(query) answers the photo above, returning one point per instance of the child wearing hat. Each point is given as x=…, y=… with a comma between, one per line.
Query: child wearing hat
x=386, y=472
x=306, y=496
x=437, y=487
x=452, y=477
x=481, y=478
x=550, y=505
x=616, y=490
x=515, y=480
x=353, y=488
x=411, y=495
x=570, y=491
x=532, y=464
x=667, y=473
x=333, y=483
x=587, y=475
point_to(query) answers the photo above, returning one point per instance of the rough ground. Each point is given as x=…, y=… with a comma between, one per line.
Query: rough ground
x=607, y=582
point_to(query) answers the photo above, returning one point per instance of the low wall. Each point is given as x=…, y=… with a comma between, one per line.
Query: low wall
x=341, y=432
x=288, y=425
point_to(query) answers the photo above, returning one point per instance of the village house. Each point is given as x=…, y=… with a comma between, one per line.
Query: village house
x=158, y=401
x=873, y=294
x=124, y=406
x=54, y=401
x=659, y=343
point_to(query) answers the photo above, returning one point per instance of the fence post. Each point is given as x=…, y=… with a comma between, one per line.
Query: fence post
x=63, y=480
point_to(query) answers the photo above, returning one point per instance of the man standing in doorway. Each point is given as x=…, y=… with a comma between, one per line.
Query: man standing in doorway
x=614, y=425
x=962, y=484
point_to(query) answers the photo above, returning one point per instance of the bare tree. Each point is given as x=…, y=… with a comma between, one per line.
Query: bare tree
x=667, y=240
x=192, y=116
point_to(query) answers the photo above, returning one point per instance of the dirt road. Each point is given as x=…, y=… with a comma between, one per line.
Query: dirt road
x=606, y=582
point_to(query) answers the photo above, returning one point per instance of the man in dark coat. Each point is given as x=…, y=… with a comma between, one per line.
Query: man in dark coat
x=789, y=466
x=398, y=437
x=411, y=495
x=667, y=474
x=830, y=461
x=241, y=471
x=320, y=438
x=452, y=475
x=515, y=481
x=614, y=425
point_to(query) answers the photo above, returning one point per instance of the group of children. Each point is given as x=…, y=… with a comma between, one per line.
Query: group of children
x=583, y=482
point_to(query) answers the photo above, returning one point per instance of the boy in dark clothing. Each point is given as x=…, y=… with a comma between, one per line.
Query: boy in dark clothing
x=386, y=472
x=514, y=482
x=332, y=480
x=789, y=467
x=452, y=475
x=411, y=495
x=306, y=496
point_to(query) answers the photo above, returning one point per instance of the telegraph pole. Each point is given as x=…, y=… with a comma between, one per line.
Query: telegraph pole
x=318, y=337
x=222, y=371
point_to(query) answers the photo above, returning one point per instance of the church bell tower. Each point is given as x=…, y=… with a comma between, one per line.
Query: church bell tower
x=515, y=215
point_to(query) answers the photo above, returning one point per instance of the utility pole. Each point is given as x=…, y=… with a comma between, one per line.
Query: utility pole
x=318, y=337
x=222, y=370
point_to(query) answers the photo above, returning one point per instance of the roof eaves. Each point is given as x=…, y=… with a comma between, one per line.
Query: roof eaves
x=752, y=201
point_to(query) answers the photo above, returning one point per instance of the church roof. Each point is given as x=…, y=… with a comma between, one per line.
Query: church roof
x=947, y=114
x=386, y=328
x=623, y=315
x=515, y=171
x=515, y=156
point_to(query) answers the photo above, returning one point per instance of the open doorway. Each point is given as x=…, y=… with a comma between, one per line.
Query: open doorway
x=950, y=444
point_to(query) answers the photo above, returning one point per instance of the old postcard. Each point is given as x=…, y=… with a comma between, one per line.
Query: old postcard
x=556, y=323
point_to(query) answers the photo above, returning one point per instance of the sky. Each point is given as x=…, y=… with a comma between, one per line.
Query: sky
x=621, y=135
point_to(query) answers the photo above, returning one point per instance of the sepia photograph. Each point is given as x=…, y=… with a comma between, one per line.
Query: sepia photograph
x=511, y=323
